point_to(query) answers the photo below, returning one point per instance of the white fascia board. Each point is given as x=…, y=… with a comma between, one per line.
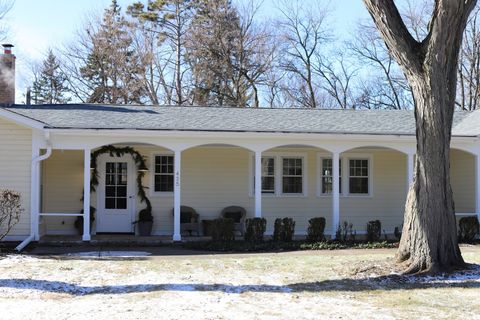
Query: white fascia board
x=227, y=134
x=21, y=120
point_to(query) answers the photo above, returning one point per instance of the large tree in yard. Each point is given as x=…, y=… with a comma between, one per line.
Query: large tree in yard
x=429, y=241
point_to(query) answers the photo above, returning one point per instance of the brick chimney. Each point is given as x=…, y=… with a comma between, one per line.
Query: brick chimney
x=7, y=76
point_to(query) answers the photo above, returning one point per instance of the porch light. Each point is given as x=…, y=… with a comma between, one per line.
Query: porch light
x=143, y=168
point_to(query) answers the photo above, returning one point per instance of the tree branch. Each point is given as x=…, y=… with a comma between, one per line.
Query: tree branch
x=401, y=44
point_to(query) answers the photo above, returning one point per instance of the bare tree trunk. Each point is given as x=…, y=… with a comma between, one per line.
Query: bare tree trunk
x=429, y=241
x=429, y=237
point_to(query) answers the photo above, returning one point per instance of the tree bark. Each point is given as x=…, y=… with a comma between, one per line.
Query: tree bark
x=429, y=239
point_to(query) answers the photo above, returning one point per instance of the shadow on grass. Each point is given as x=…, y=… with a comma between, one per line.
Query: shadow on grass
x=383, y=283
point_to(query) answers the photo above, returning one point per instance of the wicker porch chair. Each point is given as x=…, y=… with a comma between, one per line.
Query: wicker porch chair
x=238, y=215
x=189, y=220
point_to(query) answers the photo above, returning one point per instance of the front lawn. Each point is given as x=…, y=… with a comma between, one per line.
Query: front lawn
x=338, y=284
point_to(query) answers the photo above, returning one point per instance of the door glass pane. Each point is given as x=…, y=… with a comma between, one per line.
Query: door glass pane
x=121, y=203
x=122, y=191
x=109, y=191
x=110, y=179
x=116, y=185
x=110, y=167
x=109, y=203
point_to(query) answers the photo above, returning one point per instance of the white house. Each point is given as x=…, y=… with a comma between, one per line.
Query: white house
x=343, y=165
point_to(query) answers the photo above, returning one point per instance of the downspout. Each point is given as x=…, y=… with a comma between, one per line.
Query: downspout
x=34, y=214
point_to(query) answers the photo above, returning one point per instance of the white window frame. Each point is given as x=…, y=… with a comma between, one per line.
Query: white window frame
x=278, y=156
x=345, y=160
x=359, y=156
x=154, y=193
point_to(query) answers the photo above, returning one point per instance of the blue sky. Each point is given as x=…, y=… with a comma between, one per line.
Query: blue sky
x=36, y=25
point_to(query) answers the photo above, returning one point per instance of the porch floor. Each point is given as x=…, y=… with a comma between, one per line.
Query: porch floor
x=114, y=239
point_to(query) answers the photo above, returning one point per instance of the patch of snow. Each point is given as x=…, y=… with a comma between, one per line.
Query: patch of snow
x=472, y=274
x=117, y=254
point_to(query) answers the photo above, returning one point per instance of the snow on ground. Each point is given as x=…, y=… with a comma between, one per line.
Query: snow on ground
x=136, y=285
x=100, y=254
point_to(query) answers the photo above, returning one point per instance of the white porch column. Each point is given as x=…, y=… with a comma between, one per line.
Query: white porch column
x=86, y=195
x=336, y=192
x=410, y=166
x=177, y=196
x=35, y=195
x=258, y=184
x=477, y=185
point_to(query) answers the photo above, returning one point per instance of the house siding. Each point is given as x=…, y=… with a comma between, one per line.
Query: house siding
x=15, y=169
x=62, y=187
x=462, y=172
x=215, y=177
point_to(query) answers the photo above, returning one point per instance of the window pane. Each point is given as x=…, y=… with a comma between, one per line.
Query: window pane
x=110, y=191
x=110, y=167
x=268, y=184
x=122, y=168
x=164, y=164
x=110, y=179
x=268, y=166
x=359, y=168
x=121, y=203
x=109, y=203
x=122, y=191
x=292, y=185
x=327, y=186
x=292, y=167
x=327, y=175
x=122, y=179
x=327, y=167
x=164, y=183
x=359, y=185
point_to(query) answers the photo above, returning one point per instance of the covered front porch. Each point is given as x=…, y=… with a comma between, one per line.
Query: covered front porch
x=349, y=181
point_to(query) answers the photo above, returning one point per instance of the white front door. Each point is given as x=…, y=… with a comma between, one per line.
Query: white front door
x=115, y=194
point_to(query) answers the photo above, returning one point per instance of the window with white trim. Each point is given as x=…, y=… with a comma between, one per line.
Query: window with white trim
x=292, y=175
x=163, y=175
x=327, y=175
x=358, y=176
x=268, y=175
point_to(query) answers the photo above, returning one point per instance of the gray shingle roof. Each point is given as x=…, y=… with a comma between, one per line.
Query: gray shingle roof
x=92, y=116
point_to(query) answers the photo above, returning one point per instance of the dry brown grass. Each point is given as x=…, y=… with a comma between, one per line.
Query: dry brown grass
x=323, y=284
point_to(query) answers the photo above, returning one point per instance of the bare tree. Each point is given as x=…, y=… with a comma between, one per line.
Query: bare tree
x=5, y=7
x=389, y=90
x=170, y=19
x=255, y=51
x=157, y=60
x=429, y=239
x=338, y=78
x=468, y=96
x=415, y=14
x=10, y=210
x=304, y=33
x=101, y=64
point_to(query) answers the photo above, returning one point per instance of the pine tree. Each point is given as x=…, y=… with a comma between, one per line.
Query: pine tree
x=211, y=53
x=50, y=87
x=171, y=20
x=112, y=68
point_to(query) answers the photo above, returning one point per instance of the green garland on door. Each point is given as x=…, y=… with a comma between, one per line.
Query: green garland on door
x=145, y=214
